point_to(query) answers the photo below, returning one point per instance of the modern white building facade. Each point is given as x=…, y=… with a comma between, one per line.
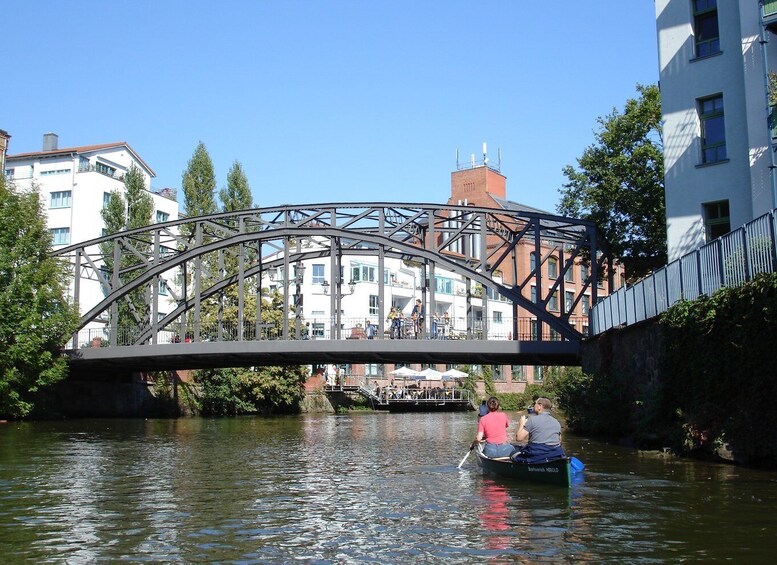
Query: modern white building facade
x=75, y=183
x=714, y=62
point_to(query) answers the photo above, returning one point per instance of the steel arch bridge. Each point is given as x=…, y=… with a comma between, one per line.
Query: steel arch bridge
x=481, y=245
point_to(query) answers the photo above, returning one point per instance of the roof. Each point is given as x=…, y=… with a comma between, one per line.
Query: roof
x=84, y=149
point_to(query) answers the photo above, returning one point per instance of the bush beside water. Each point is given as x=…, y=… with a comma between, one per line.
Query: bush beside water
x=716, y=388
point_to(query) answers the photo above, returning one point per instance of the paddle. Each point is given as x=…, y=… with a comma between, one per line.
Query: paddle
x=576, y=464
x=467, y=455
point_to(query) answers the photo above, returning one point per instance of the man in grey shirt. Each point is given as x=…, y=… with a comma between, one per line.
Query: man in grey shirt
x=543, y=433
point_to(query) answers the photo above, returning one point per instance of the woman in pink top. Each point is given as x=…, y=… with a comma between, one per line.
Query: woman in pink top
x=493, y=429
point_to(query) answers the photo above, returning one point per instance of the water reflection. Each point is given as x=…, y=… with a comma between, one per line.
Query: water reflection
x=354, y=488
x=495, y=516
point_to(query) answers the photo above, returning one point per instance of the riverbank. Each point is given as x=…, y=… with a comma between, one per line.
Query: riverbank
x=697, y=380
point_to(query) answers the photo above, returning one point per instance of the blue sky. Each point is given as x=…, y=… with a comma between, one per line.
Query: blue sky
x=328, y=101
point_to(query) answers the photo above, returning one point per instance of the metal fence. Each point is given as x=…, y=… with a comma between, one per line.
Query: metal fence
x=528, y=329
x=730, y=260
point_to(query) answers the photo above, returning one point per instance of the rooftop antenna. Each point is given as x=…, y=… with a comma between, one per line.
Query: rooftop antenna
x=499, y=157
x=485, y=159
x=457, y=158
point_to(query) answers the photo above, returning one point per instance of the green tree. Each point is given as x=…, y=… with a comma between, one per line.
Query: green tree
x=237, y=194
x=619, y=184
x=120, y=214
x=35, y=316
x=199, y=186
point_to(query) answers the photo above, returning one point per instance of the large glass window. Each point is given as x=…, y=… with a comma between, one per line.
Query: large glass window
x=716, y=219
x=60, y=236
x=705, y=27
x=443, y=285
x=61, y=199
x=713, y=131
x=162, y=217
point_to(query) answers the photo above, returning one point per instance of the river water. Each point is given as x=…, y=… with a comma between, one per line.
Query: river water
x=357, y=488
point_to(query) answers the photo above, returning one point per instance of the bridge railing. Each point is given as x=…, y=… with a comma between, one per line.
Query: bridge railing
x=321, y=328
x=730, y=260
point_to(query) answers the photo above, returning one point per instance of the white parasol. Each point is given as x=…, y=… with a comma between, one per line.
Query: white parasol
x=454, y=375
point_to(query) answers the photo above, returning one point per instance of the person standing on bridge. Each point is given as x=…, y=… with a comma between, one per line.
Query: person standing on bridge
x=417, y=315
x=493, y=429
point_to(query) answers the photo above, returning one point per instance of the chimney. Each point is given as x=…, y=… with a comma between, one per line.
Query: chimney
x=50, y=141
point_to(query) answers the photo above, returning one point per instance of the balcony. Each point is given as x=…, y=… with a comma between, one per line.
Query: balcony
x=770, y=13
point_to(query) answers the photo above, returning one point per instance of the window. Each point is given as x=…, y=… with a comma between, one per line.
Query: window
x=162, y=287
x=363, y=273
x=373, y=309
x=518, y=373
x=318, y=329
x=552, y=267
x=497, y=317
x=534, y=294
x=106, y=199
x=60, y=236
x=318, y=273
x=162, y=217
x=160, y=316
x=569, y=274
x=497, y=373
x=539, y=373
x=104, y=169
x=165, y=251
x=9, y=173
x=61, y=199
x=586, y=304
x=569, y=300
x=533, y=329
x=713, y=134
x=553, y=302
x=716, y=219
x=532, y=261
x=373, y=370
x=54, y=172
x=705, y=27
x=583, y=273
x=443, y=285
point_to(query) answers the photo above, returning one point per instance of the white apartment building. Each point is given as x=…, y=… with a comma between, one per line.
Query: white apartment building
x=75, y=183
x=714, y=61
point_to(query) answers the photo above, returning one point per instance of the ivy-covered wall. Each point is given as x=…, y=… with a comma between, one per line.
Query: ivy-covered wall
x=700, y=379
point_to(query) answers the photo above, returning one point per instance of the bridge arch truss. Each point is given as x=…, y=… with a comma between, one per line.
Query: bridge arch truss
x=474, y=242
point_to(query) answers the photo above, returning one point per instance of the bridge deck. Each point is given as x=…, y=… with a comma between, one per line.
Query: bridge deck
x=202, y=355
